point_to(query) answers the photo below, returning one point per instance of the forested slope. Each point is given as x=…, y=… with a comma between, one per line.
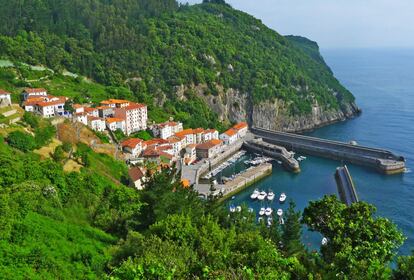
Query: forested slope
x=165, y=52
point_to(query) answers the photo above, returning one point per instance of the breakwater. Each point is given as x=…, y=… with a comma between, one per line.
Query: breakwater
x=382, y=160
x=274, y=151
x=346, y=187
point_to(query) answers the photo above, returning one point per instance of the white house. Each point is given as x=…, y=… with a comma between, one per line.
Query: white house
x=133, y=146
x=190, y=154
x=135, y=116
x=176, y=144
x=82, y=118
x=137, y=177
x=241, y=129
x=210, y=134
x=5, y=99
x=114, y=124
x=229, y=137
x=167, y=129
x=78, y=108
x=96, y=123
x=91, y=111
x=188, y=135
x=34, y=92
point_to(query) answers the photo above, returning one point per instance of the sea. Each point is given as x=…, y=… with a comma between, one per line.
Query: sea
x=382, y=80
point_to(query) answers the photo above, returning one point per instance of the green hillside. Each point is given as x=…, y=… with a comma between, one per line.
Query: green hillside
x=153, y=46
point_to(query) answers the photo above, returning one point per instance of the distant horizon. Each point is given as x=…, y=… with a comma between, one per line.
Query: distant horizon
x=343, y=24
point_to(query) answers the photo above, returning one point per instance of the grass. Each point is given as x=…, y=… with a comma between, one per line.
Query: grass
x=46, y=151
x=72, y=166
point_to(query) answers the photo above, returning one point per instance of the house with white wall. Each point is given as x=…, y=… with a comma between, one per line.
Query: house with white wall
x=5, y=99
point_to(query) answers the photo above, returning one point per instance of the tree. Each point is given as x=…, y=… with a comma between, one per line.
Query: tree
x=359, y=244
x=292, y=231
x=58, y=155
x=405, y=268
x=22, y=141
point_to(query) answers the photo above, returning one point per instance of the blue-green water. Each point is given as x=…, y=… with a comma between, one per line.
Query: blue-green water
x=383, y=84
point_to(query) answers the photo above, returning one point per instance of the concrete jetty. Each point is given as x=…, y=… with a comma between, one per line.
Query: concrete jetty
x=274, y=151
x=346, y=187
x=382, y=160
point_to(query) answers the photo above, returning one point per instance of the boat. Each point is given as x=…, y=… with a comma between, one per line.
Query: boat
x=238, y=208
x=281, y=221
x=260, y=219
x=270, y=195
x=233, y=197
x=262, y=195
x=279, y=212
x=269, y=221
x=262, y=211
x=250, y=210
x=268, y=211
x=324, y=241
x=255, y=194
x=282, y=198
x=232, y=209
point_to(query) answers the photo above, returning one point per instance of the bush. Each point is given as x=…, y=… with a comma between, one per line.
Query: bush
x=22, y=141
x=31, y=120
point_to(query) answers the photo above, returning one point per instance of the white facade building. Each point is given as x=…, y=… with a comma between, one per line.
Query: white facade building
x=5, y=99
x=135, y=116
x=96, y=124
x=34, y=92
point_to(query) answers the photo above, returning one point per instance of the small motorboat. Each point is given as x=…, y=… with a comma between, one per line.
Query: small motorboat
x=233, y=198
x=260, y=219
x=262, y=211
x=262, y=195
x=255, y=194
x=232, y=209
x=324, y=241
x=279, y=212
x=270, y=195
x=281, y=221
x=238, y=208
x=269, y=221
x=250, y=210
x=282, y=198
x=268, y=211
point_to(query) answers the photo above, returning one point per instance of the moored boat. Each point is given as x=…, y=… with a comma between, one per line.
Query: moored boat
x=282, y=198
x=262, y=195
x=270, y=195
x=262, y=211
x=279, y=212
x=268, y=211
x=255, y=194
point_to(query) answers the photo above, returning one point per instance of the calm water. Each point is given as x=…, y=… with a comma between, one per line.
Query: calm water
x=383, y=83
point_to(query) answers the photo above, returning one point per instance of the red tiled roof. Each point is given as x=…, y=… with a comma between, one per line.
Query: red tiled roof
x=198, y=130
x=191, y=146
x=131, y=143
x=230, y=132
x=35, y=90
x=135, y=173
x=112, y=120
x=184, y=132
x=51, y=103
x=89, y=109
x=77, y=106
x=92, y=118
x=209, y=144
x=133, y=106
x=156, y=141
x=210, y=130
x=240, y=125
x=3, y=91
x=104, y=108
x=115, y=101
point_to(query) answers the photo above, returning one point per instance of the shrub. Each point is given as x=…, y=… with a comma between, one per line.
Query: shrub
x=22, y=141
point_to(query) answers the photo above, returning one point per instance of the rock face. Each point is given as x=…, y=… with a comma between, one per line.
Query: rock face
x=233, y=106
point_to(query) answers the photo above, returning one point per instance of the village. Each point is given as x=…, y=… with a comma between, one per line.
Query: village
x=172, y=145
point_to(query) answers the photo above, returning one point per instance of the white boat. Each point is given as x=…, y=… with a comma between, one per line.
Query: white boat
x=269, y=221
x=279, y=212
x=324, y=241
x=270, y=195
x=262, y=195
x=282, y=198
x=250, y=210
x=260, y=219
x=232, y=209
x=255, y=194
x=238, y=209
x=268, y=211
x=281, y=221
x=262, y=211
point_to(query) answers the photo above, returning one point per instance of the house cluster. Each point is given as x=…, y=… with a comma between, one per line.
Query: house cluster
x=174, y=143
x=38, y=101
x=113, y=114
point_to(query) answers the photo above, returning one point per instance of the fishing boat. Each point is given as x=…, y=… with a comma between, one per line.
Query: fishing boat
x=262, y=195
x=270, y=195
x=268, y=211
x=262, y=211
x=279, y=212
x=255, y=194
x=282, y=198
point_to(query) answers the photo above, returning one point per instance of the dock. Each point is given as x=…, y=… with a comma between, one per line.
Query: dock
x=381, y=160
x=346, y=187
x=273, y=151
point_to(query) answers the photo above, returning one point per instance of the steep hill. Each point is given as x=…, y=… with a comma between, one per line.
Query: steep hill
x=173, y=57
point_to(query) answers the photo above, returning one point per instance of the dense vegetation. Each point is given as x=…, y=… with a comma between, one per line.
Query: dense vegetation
x=90, y=224
x=152, y=46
